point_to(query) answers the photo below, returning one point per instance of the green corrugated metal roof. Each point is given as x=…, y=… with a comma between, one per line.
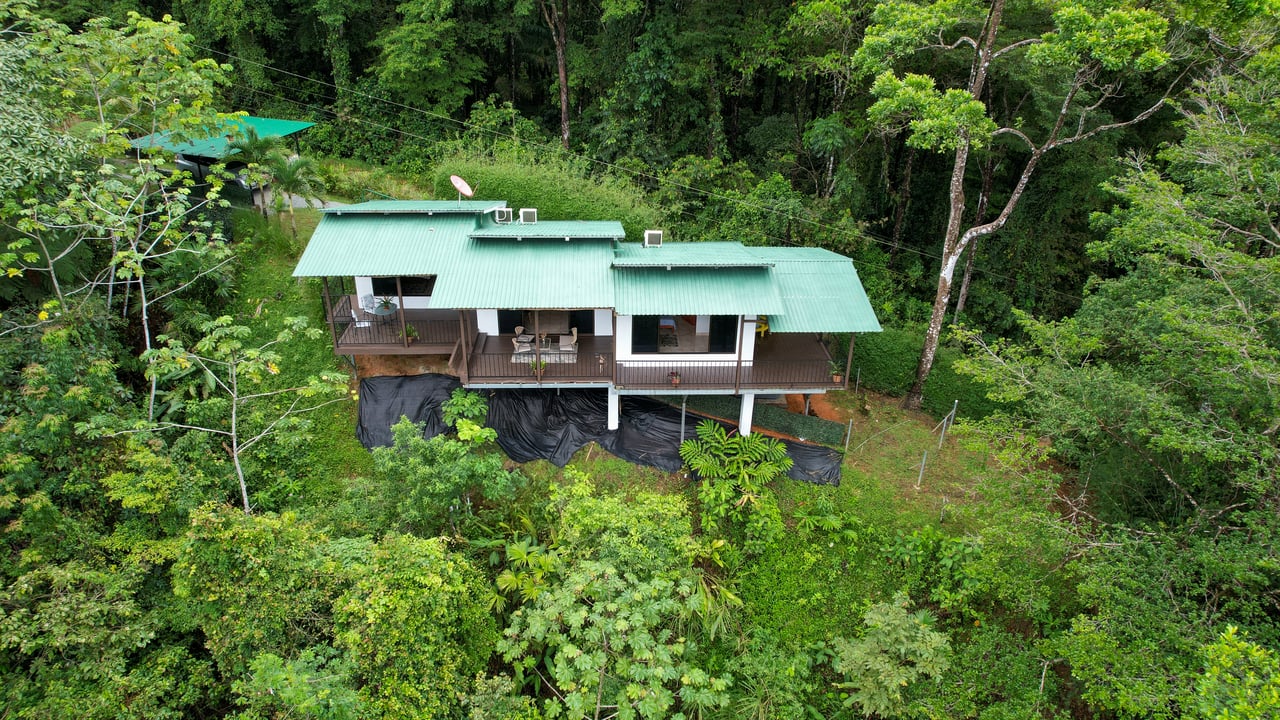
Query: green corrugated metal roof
x=533, y=274
x=695, y=291
x=215, y=146
x=820, y=292
x=800, y=289
x=417, y=207
x=396, y=244
x=697, y=254
x=578, y=229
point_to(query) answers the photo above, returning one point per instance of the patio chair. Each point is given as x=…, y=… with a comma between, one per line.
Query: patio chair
x=569, y=343
x=521, y=345
x=365, y=317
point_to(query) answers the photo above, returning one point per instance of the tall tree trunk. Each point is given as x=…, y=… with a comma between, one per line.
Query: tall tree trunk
x=951, y=244
x=556, y=14
x=984, y=198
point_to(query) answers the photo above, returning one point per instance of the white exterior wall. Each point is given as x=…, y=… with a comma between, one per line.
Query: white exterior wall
x=364, y=286
x=604, y=322
x=487, y=322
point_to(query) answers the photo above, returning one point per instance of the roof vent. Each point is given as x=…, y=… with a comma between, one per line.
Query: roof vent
x=528, y=215
x=653, y=238
x=502, y=215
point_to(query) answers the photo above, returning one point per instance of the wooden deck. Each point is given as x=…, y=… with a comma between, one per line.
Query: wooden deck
x=494, y=361
x=782, y=363
x=360, y=333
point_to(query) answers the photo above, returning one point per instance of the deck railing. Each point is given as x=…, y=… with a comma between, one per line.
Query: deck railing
x=556, y=367
x=502, y=367
x=722, y=375
x=365, y=328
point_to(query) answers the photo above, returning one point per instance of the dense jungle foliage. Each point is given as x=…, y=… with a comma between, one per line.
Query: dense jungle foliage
x=189, y=529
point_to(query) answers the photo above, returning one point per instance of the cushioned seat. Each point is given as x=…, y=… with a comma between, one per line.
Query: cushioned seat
x=569, y=343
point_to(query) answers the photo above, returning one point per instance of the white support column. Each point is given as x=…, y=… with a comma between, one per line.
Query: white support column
x=748, y=409
x=614, y=408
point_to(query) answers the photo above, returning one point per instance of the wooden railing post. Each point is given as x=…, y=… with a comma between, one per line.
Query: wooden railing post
x=328, y=311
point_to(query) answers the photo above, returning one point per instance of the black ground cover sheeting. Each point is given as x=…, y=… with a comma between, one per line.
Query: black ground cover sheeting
x=553, y=425
x=384, y=399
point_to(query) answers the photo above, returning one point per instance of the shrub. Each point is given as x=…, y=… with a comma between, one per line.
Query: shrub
x=557, y=188
x=416, y=628
x=887, y=362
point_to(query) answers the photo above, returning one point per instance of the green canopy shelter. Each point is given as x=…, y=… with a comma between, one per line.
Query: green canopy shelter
x=217, y=145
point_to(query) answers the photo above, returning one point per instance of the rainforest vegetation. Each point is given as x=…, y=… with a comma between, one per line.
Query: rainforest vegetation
x=1066, y=216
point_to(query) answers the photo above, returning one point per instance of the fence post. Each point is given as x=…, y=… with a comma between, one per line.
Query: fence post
x=857, y=384
x=946, y=422
x=848, y=435
x=684, y=404
x=920, y=477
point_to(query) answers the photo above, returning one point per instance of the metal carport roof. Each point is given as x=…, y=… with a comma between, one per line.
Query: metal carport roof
x=215, y=144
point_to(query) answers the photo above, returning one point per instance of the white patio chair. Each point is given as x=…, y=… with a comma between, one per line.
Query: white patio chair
x=365, y=317
x=569, y=343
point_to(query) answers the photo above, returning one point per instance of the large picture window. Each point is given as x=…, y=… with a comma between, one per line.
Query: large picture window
x=678, y=334
x=410, y=285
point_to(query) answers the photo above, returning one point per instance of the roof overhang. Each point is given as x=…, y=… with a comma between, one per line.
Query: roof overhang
x=695, y=291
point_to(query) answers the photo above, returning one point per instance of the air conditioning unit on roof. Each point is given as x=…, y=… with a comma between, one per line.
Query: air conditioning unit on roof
x=653, y=238
x=502, y=215
x=528, y=215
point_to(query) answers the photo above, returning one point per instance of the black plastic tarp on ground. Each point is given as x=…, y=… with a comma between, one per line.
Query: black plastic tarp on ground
x=553, y=425
x=383, y=400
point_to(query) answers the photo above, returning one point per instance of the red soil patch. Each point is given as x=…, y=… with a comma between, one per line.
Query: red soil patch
x=819, y=405
x=400, y=365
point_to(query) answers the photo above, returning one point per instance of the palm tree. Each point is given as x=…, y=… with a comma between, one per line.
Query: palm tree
x=254, y=149
x=295, y=175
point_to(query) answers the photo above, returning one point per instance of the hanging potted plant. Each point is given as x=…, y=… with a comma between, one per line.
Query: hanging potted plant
x=674, y=378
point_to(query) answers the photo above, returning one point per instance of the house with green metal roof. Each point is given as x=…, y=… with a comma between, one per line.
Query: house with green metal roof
x=516, y=302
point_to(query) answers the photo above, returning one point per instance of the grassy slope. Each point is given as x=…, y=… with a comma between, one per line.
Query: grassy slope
x=267, y=290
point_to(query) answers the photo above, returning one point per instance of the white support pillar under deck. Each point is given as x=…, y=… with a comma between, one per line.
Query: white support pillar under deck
x=744, y=417
x=614, y=408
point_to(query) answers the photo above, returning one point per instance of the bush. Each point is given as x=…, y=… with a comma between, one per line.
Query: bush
x=887, y=362
x=557, y=188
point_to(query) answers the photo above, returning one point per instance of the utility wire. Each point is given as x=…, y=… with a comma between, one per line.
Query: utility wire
x=555, y=148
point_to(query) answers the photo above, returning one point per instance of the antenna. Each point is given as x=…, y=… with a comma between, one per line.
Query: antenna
x=461, y=186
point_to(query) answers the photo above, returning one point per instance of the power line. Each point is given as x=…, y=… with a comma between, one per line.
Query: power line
x=556, y=148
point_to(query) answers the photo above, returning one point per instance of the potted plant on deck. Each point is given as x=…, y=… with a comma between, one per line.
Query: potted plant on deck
x=837, y=373
x=410, y=334
x=536, y=367
x=674, y=378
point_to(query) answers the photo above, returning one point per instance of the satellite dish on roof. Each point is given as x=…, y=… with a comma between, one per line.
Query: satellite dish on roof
x=462, y=186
